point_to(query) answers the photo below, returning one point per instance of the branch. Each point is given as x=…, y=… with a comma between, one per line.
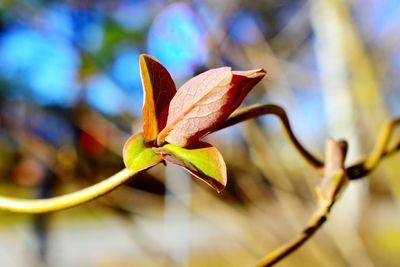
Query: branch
x=314, y=224
x=381, y=149
x=356, y=171
x=334, y=181
x=255, y=111
x=336, y=175
x=68, y=200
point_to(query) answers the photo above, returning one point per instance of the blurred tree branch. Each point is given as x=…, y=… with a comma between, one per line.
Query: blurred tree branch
x=335, y=174
x=333, y=182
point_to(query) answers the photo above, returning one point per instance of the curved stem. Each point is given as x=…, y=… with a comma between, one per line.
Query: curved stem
x=380, y=151
x=355, y=171
x=68, y=200
x=381, y=146
x=360, y=169
x=255, y=111
x=333, y=182
x=319, y=217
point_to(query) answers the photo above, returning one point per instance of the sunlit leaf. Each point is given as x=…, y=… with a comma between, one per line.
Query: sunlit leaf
x=204, y=102
x=137, y=156
x=203, y=161
x=158, y=88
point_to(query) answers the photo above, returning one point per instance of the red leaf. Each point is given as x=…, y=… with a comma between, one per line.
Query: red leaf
x=206, y=101
x=245, y=81
x=158, y=89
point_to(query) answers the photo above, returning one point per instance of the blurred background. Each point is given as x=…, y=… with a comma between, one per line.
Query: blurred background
x=70, y=95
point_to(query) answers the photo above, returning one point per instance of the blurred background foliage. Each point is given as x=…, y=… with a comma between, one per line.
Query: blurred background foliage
x=70, y=95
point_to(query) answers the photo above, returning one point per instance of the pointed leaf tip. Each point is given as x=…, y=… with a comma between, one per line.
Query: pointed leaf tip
x=137, y=156
x=158, y=90
x=245, y=81
x=251, y=74
x=203, y=161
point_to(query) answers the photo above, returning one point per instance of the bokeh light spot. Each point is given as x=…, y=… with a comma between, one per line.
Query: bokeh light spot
x=177, y=40
x=44, y=63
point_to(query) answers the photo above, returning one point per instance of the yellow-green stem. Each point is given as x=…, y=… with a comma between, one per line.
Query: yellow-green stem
x=381, y=146
x=68, y=200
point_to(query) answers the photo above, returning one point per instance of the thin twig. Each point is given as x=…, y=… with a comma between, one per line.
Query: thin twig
x=380, y=151
x=353, y=172
x=381, y=146
x=315, y=223
x=356, y=171
x=255, y=111
x=333, y=182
